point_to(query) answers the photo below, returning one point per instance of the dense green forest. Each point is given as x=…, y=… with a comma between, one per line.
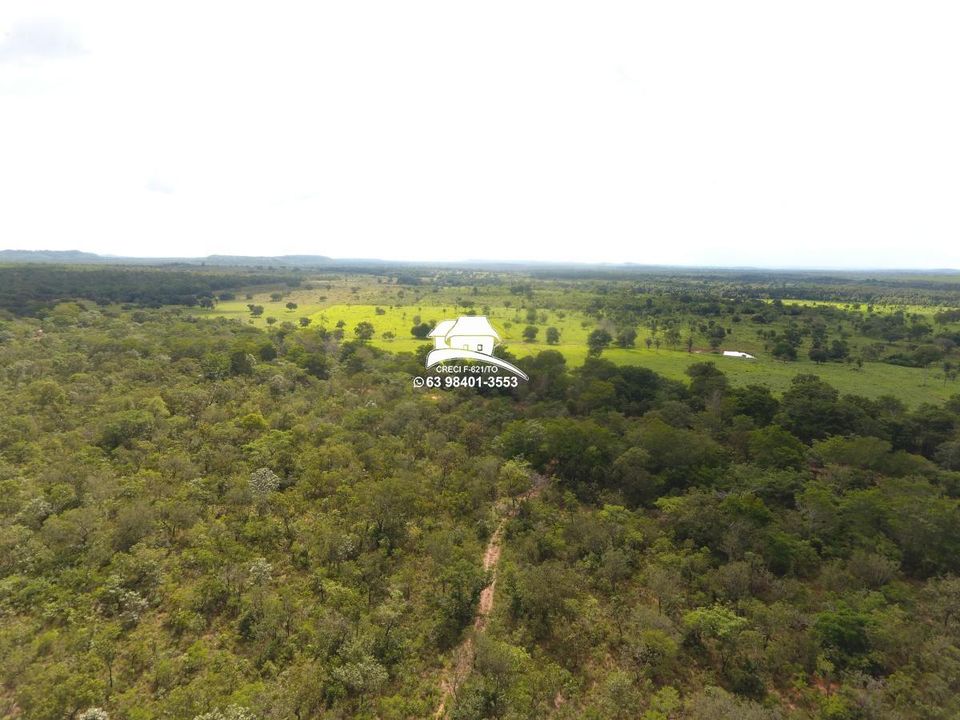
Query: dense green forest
x=210, y=518
x=34, y=289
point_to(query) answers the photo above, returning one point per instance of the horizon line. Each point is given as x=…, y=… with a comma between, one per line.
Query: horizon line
x=613, y=264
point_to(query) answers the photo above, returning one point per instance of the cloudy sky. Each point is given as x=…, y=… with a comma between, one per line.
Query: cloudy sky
x=816, y=134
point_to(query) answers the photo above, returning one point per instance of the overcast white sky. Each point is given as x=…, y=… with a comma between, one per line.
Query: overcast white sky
x=761, y=133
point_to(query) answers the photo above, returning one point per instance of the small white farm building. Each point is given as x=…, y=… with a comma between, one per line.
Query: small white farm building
x=738, y=354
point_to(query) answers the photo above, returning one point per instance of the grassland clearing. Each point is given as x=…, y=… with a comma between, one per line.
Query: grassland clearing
x=345, y=301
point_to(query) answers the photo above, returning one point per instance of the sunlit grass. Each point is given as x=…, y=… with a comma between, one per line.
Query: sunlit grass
x=326, y=307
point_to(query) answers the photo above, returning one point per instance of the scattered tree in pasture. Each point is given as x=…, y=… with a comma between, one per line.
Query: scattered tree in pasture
x=364, y=330
x=627, y=337
x=818, y=354
x=598, y=341
x=784, y=350
x=421, y=331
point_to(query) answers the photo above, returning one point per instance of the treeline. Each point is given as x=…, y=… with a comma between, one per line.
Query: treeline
x=888, y=288
x=30, y=289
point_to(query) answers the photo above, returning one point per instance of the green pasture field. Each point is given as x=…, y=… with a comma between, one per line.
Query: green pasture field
x=912, y=386
x=879, y=308
x=336, y=301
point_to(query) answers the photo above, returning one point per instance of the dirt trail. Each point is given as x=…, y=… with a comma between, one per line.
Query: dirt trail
x=454, y=678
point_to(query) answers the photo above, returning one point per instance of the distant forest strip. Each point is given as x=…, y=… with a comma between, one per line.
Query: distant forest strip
x=886, y=288
x=29, y=289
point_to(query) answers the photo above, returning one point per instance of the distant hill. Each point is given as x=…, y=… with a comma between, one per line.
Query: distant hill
x=280, y=260
x=73, y=257
x=546, y=268
x=50, y=256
